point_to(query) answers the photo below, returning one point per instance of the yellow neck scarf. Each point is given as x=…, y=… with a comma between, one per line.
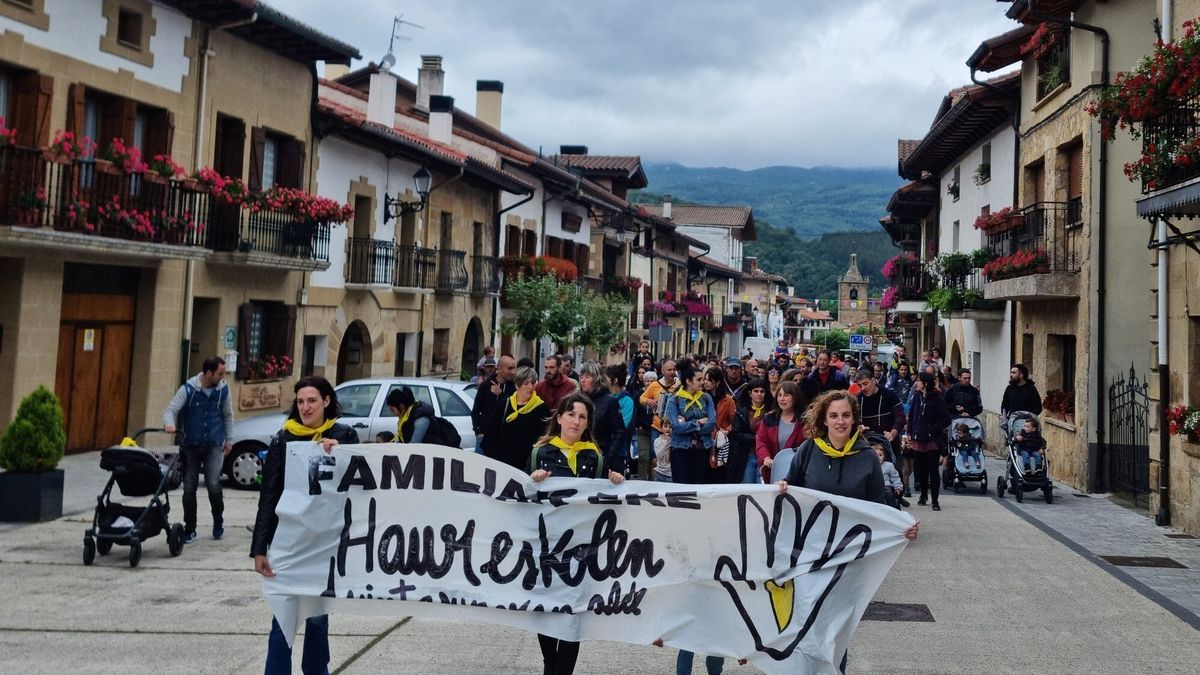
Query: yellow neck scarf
x=572, y=450
x=297, y=428
x=838, y=454
x=400, y=423
x=692, y=399
x=758, y=411
x=533, y=402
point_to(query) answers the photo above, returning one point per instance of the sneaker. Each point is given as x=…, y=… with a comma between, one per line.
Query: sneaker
x=190, y=536
x=218, y=531
x=907, y=493
x=936, y=507
x=905, y=503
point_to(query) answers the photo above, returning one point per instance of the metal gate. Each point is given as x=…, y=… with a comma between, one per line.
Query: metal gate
x=1128, y=447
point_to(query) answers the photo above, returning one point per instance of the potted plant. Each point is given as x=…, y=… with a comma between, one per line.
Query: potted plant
x=952, y=189
x=1184, y=420
x=983, y=173
x=31, y=488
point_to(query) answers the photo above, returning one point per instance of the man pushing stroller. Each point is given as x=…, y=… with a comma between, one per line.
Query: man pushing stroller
x=203, y=410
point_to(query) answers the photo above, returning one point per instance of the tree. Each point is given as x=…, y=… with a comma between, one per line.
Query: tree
x=531, y=296
x=832, y=339
x=604, y=321
x=565, y=317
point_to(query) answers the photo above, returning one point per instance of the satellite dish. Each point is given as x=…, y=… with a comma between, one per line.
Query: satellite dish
x=386, y=63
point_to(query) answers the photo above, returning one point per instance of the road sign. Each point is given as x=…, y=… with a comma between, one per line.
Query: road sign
x=860, y=343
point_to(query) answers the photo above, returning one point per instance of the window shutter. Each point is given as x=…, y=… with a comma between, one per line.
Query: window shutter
x=289, y=334
x=279, y=330
x=530, y=246
x=1075, y=178
x=512, y=243
x=128, y=109
x=289, y=170
x=244, y=319
x=581, y=260
x=160, y=133
x=1039, y=183
x=31, y=109
x=258, y=142
x=76, y=95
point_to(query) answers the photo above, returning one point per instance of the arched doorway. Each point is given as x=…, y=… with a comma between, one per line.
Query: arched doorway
x=354, y=355
x=472, y=345
x=955, y=361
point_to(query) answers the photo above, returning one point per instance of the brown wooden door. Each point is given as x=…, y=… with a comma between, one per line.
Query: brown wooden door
x=95, y=354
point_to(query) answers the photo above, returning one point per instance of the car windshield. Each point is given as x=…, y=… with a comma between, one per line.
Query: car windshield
x=356, y=399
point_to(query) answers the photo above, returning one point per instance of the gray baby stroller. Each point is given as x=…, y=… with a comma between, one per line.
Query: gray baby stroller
x=964, y=441
x=138, y=473
x=1021, y=478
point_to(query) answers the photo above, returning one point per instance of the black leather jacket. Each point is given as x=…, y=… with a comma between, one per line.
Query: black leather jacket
x=272, y=483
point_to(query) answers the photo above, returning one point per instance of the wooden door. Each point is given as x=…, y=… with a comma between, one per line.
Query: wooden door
x=95, y=354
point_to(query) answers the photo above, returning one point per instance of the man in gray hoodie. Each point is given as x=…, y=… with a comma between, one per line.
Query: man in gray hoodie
x=203, y=410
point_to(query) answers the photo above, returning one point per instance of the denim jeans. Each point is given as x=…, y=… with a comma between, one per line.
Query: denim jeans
x=683, y=663
x=478, y=443
x=751, y=475
x=315, y=660
x=213, y=459
x=1029, y=459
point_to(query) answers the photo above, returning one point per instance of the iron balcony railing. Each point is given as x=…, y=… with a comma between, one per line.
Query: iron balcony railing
x=451, y=270
x=1174, y=128
x=370, y=261
x=913, y=282
x=232, y=228
x=486, y=273
x=415, y=267
x=1050, y=227
x=95, y=198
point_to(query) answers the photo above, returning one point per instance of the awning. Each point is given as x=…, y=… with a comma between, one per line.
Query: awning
x=1177, y=201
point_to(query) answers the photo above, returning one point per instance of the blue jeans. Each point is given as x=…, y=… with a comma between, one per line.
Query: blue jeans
x=213, y=459
x=661, y=477
x=478, y=443
x=683, y=663
x=315, y=660
x=1029, y=459
x=751, y=475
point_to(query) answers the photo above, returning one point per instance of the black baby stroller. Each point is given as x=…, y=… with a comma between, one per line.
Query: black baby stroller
x=1019, y=480
x=876, y=438
x=964, y=441
x=138, y=473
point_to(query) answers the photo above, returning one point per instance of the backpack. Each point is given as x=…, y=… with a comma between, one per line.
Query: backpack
x=442, y=432
x=627, y=407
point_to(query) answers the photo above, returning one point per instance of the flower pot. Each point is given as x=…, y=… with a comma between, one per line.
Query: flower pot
x=31, y=497
x=106, y=167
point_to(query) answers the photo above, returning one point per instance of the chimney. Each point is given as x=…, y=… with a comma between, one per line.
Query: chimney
x=381, y=99
x=572, y=150
x=335, y=70
x=666, y=207
x=430, y=79
x=488, y=94
x=751, y=264
x=441, y=118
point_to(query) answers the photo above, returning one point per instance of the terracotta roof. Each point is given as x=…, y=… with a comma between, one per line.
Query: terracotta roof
x=967, y=115
x=904, y=148
x=812, y=315
x=1022, y=10
x=723, y=270
x=998, y=52
x=628, y=167
x=728, y=216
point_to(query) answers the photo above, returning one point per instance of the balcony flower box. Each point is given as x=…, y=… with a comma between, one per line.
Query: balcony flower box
x=1019, y=264
x=1000, y=221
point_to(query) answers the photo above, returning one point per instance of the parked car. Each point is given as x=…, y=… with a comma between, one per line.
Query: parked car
x=364, y=409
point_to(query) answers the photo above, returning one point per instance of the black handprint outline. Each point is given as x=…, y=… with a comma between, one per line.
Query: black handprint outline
x=777, y=592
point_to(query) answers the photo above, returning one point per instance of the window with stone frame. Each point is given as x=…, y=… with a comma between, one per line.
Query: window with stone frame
x=265, y=329
x=1053, y=69
x=25, y=100
x=276, y=159
x=29, y=12
x=129, y=25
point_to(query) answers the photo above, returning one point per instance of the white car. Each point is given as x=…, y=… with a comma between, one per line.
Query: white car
x=363, y=409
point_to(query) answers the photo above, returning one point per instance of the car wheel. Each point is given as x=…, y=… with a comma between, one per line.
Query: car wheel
x=244, y=467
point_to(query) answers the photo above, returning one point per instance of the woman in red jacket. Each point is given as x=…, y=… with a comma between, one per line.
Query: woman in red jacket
x=782, y=428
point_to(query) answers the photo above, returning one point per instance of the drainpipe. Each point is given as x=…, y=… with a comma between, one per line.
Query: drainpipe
x=1163, y=516
x=189, y=278
x=1101, y=243
x=500, y=231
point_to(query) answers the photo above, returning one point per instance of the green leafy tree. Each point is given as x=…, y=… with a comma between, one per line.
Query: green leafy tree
x=603, y=321
x=532, y=297
x=564, y=320
x=832, y=339
x=34, y=440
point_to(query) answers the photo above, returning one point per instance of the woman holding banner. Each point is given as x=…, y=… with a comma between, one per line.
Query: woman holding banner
x=313, y=418
x=567, y=450
x=517, y=422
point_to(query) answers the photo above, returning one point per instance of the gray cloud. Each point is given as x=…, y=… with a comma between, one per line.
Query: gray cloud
x=701, y=82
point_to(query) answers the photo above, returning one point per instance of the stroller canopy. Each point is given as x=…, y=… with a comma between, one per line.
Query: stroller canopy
x=138, y=472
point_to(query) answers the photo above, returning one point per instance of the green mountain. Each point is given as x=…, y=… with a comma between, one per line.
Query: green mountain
x=809, y=221
x=810, y=202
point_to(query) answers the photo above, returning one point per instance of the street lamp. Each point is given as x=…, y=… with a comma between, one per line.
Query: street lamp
x=393, y=207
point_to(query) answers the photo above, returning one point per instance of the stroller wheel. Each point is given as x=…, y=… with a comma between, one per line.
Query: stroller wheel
x=175, y=539
x=1048, y=492
x=1000, y=487
x=103, y=546
x=1020, y=494
x=135, y=553
x=983, y=486
x=89, y=550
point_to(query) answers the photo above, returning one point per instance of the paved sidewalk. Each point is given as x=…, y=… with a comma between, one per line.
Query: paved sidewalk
x=1011, y=588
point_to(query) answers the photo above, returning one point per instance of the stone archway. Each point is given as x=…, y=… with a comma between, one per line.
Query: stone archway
x=954, y=358
x=472, y=349
x=354, y=355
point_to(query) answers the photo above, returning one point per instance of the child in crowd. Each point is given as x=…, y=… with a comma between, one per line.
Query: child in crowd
x=893, y=488
x=1031, y=447
x=662, y=456
x=967, y=447
x=384, y=437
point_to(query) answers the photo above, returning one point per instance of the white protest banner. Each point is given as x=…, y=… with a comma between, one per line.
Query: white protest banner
x=423, y=530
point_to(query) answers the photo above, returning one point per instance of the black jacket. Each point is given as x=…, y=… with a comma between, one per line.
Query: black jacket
x=589, y=463
x=741, y=444
x=858, y=475
x=609, y=429
x=272, y=483
x=882, y=412
x=420, y=409
x=511, y=442
x=486, y=402
x=928, y=418
x=1023, y=397
x=967, y=396
x=836, y=380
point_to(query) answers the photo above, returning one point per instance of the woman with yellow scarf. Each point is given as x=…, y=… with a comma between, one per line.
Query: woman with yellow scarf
x=517, y=422
x=313, y=418
x=754, y=403
x=692, y=416
x=567, y=450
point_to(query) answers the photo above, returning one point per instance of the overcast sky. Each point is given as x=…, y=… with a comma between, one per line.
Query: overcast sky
x=700, y=82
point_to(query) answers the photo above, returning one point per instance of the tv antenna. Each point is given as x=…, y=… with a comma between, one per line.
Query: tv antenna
x=389, y=59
